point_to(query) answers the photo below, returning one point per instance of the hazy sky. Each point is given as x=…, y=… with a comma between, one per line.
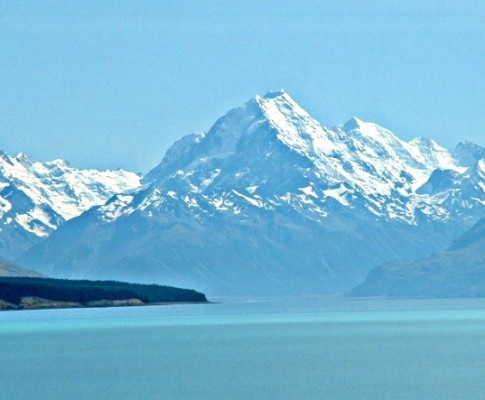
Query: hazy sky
x=113, y=83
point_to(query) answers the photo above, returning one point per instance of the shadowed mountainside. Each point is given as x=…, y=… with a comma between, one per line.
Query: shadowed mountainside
x=457, y=272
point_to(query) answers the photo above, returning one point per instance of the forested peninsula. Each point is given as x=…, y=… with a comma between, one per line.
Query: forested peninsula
x=18, y=293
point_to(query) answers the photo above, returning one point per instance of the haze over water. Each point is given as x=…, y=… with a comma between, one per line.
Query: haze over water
x=304, y=348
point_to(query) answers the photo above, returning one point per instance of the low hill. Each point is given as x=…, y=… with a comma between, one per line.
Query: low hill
x=457, y=272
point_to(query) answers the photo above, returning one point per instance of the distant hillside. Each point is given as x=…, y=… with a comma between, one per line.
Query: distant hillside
x=8, y=268
x=31, y=293
x=458, y=272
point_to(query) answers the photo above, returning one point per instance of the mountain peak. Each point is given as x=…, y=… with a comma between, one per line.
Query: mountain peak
x=5, y=157
x=423, y=141
x=279, y=98
x=468, y=153
x=275, y=93
x=24, y=159
x=368, y=129
x=59, y=162
x=22, y=156
x=353, y=123
x=468, y=145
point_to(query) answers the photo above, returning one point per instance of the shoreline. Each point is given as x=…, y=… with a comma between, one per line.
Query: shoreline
x=45, y=304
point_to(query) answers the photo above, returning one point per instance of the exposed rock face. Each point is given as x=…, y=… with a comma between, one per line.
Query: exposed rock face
x=37, y=303
x=5, y=305
x=115, y=303
x=31, y=303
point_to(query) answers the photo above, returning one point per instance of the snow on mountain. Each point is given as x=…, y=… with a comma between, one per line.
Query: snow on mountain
x=36, y=197
x=271, y=153
x=269, y=200
x=461, y=195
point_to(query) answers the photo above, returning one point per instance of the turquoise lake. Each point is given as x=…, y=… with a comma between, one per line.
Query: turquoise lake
x=299, y=348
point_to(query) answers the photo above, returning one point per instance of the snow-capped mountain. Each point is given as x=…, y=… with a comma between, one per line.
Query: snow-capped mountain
x=270, y=154
x=36, y=198
x=461, y=195
x=269, y=200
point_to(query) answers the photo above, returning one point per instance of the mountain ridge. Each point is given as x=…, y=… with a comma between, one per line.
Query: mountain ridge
x=37, y=197
x=270, y=194
x=457, y=272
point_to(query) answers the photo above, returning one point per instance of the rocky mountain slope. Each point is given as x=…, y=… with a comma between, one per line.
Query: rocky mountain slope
x=269, y=201
x=36, y=198
x=457, y=272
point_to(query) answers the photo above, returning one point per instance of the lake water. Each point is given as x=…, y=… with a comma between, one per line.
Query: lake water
x=304, y=348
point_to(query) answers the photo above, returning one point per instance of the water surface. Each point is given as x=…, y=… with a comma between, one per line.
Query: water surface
x=303, y=348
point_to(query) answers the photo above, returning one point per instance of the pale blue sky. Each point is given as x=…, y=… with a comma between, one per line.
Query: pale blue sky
x=113, y=83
